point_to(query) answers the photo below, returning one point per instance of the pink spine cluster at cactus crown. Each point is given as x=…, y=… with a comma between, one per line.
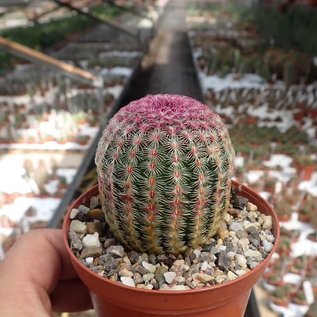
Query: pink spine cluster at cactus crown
x=168, y=112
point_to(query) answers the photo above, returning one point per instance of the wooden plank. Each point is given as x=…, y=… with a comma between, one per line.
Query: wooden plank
x=96, y=18
x=39, y=57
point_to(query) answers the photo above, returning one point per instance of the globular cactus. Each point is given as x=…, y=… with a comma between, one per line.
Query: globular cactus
x=164, y=166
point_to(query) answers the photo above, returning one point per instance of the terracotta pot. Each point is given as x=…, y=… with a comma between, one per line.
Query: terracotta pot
x=284, y=217
x=307, y=172
x=112, y=299
x=312, y=3
x=304, y=218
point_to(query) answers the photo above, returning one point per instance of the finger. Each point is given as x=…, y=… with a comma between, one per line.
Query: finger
x=33, y=267
x=71, y=295
x=40, y=256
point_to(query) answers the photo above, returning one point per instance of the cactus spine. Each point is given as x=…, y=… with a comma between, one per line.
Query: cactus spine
x=164, y=167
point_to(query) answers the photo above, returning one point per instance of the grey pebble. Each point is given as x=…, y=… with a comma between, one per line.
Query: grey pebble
x=159, y=274
x=239, y=202
x=133, y=256
x=91, y=251
x=109, y=242
x=152, y=259
x=223, y=261
x=84, y=209
x=141, y=269
x=236, y=227
x=75, y=242
x=137, y=277
x=208, y=247
x=254, y=238
x=242, y=234
x=116, y=251
x=94, y=202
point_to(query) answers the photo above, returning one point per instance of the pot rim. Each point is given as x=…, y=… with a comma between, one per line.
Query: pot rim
x=239, y=279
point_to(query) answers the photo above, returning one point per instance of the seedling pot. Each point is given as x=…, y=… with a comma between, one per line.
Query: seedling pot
x=112, y=299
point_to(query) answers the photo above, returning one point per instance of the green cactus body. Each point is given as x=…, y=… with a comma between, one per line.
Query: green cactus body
x=164, y=167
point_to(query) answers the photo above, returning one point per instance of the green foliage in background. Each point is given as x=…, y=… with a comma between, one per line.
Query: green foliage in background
x=294, y=29
x=258, y=139
x=42, y=36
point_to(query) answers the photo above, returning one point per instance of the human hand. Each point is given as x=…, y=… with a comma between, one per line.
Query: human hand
x=37, y=277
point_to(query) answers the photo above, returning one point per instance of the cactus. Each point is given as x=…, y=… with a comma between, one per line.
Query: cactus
x=164, y=166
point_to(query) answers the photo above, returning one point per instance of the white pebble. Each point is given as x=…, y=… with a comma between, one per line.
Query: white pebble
x=204, y=266
x=197, y=253
x=251, y=207
x=91, y=240
x=247, y=224
x=253, y=254
x=148, y=277
x=253, y=265
x=268, y=223
x=84, y=209
x=240, y=272
x=242, y=261
x=244, y=244
x=169, y=277
x=231, y=255
x=222, y=248
x=268, y=246
x=201, y=277
x=148, y=266
x=180, y=280
x=179, y=263
x=89, y=260
x=73, y=213
x=231, y=276
x=140, y=285
x=125, y=273
x=270, y=238
x=128, y=281
x=78, y=226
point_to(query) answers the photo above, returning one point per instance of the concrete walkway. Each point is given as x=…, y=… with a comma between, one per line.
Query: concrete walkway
x=174, y=70
x=168, y=67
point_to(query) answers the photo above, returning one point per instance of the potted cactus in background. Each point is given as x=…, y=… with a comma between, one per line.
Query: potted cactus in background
x=178, y=236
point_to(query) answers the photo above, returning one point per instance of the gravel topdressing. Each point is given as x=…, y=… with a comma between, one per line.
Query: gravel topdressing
x=244, y=239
